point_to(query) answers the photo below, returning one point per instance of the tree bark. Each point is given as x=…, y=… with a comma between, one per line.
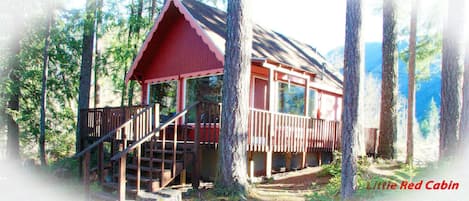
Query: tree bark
x=464, y=126
x=134, y=34
x=411, y=83
x=14, y=33
x=350, y=120
x=13, y=135
x=451, y=79
x=389, y=97
x=86, y=65
x=42, y=136
x=152, y=10
x=232, y=172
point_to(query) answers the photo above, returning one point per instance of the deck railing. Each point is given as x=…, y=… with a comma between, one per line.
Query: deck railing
x=288, y=133
x=141, y=121
x=291, y=133
x=97, y=122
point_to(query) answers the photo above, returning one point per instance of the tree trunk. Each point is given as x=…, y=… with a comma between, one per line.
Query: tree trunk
x=13, y=135
x=451, y=79
x=152, y=10
x=233, y=170
x=13, y=94
x=98, y=21
x=135, y=35
x=86, y=65
x=42, y=136
x=411, y=88
x=464, y=126
x=350, y=124
x=389, y=97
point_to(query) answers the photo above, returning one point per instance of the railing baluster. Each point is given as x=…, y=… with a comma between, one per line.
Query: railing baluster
x=150, y=174
x=86, y=175
x=163, y=148
x=174, y=148
x=139, y=153
x=122, y=176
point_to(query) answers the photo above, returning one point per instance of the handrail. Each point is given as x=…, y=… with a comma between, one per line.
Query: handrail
x=111, y=133
x=149, y=135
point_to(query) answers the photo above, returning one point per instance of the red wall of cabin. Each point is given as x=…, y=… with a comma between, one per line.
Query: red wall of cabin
x=180, y=50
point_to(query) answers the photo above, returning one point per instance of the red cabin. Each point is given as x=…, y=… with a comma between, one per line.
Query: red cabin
x=295, y=104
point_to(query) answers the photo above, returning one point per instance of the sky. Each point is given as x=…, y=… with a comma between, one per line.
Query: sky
x=320, y=23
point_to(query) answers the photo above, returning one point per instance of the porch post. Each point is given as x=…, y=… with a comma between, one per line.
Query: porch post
x=288, y=161
x=268, y=164
x=305, y=136
x=250, y=165
x=272, y=106
x=179, y=96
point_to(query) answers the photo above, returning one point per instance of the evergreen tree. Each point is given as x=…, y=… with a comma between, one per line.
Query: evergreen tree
x=389, y=97
x=350, y=124
x=451, y=79
x=237, y=69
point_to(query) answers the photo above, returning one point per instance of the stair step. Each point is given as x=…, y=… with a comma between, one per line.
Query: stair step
x=167, y=151
x=104, y=196
x=160, y=160
x=115, y=186
x=132, y=177
x=142, y=179
x=146, y=169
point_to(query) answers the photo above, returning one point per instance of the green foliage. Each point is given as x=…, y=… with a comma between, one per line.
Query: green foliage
x=431, y=122
x=331, y=191
x=428, y=48
x=69, y=164
x=64, y=54
x=120, y=35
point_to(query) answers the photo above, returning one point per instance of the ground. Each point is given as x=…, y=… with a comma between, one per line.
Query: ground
x=292, y=186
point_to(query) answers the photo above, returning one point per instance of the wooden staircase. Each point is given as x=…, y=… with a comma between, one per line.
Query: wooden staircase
x=151, y=177
x=146, y=155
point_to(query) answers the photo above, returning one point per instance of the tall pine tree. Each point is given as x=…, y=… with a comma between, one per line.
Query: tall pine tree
x=411, y=83
x=389, y=96
x=451, y=78
x=232, y=161
x=350, y=124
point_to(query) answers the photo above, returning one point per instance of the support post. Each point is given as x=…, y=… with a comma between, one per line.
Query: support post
x=268, y=164
x=122, y=163
x=139, y=154
x=122, y=179
x=272, y=93
x=250, y=165
x=86, y=175
x=101, y=163
x=319, y=156
x=303, y=159
x=196, y=170
x=288, y=161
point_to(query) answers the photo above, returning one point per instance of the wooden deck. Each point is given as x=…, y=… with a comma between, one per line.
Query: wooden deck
x=146, y=154
x=267, y=130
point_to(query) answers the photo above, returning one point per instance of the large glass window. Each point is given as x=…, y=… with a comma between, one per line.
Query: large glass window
x=312, y=103
x=207, y=89
x=165, y=94
x=291, y=99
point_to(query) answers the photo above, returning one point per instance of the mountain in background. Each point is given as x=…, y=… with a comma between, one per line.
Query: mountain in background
x=426, y=89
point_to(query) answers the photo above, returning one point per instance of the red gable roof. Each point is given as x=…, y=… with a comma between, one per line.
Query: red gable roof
x=170, y=10
x=210, y=24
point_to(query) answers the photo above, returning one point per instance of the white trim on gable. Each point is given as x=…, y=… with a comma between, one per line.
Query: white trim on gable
x=193, y=23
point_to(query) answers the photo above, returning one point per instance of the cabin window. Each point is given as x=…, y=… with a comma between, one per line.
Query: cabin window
x=164, y=93
x=312, y=103
x=291, y=99
x=205, y=89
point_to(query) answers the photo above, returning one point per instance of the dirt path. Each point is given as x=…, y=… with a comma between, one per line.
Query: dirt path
x=290, y=186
